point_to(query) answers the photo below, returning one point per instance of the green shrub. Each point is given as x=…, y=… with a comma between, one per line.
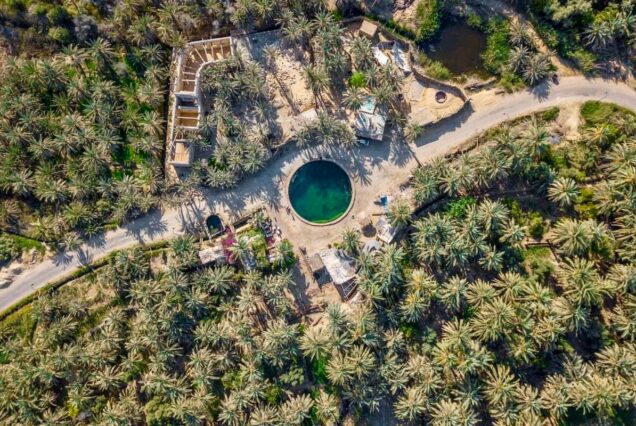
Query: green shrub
x=537, y=261
x=510, y=81
x=427, y=18
x=474, y=20
x=585, y=206
x=596, y=112
x=319, y=370
x=536, y=225
x=550, y=114
x=497, y=46
x=294, y=376
x=549, y=35
x=358, y=79
x=57, y=15
x=585, y=60
x=457, y=208
x=8, y=248
x=274, y=394
x=438, y=71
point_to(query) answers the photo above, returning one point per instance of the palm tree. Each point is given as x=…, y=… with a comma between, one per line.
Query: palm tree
x=452, y=293
x=315, y=343
x=581, y=282
x=447, y=412
x=354, y=97
x=500, y=386
x=598, y=35
x=340, y=370
x=518, y=58
x=492, y=259
x=327, y=408
x=317, y=78
x=519, y=34
x=361, y=52
x=296, y=409
x=493, y=320
x=241, y=249
x=411, y=405
x=492, y=215
x=536, y=68
x=563, y=191
x=283, y=254
x=576, y=238
x=351, y=241
x=399, y=213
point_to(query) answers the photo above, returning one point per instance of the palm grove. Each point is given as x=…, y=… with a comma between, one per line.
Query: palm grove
x=460, y=323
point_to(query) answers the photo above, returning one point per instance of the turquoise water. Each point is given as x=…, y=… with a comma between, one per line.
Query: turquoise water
x=320, y=191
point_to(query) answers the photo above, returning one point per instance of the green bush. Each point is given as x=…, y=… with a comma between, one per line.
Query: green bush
x=585, y=60
x=537, y=261
x=427, y=19
x=536, y=225
x=549, y=35
x=8, y=248
x=57, y=15
x=596, y=112
x=474, y=20
x=438, y=71
x=550, y=114
x=497, y=46
x=358, y=79
x=457, y=208
x=319, y=370
x=585, y=206
x=510, y=81
x=274, y=394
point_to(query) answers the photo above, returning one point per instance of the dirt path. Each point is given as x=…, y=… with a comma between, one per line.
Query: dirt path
x=374, y=170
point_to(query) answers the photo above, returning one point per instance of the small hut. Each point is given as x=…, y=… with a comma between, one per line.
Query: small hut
x=318, y=270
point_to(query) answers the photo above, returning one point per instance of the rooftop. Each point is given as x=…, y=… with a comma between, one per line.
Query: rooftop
x=341, y=268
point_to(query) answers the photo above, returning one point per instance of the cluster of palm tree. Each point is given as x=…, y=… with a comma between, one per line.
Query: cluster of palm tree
x=383, y=83
x=81, y=136
x=525, y=59
x=326, y=129
x=318, y=33
x=615, y=27
x=178, y=346
x=516, y=155
x=484, y=234
x=453, y=326
x=607, y=30
x=239, y=125
x=48, y=26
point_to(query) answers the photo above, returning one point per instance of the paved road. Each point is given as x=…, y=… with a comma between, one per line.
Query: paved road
x=376, y=169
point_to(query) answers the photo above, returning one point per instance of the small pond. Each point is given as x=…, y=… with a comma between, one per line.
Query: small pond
x=458, y=47
x=320, y=192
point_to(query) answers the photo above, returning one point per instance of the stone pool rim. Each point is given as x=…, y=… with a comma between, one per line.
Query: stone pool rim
x=347, y=210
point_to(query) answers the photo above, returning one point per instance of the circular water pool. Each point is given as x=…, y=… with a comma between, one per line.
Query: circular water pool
x=320, y=192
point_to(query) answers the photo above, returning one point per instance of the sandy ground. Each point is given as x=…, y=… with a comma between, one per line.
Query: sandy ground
x=285, y=77
x=424, y=109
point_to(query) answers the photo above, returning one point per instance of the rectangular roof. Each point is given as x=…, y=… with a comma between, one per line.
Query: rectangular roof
x=341, y=268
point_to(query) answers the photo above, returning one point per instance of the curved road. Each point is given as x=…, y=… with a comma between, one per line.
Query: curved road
x=376, y=169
